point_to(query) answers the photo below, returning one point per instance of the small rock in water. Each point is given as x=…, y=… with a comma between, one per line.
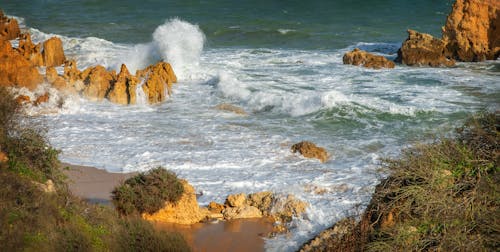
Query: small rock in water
x=310, y=150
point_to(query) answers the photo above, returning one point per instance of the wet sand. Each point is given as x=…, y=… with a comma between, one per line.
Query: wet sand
x=95, y=185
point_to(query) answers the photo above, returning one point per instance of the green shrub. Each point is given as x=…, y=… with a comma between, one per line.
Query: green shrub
x=147, y=192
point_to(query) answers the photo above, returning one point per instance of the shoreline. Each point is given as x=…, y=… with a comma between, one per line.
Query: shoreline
x=95, y=185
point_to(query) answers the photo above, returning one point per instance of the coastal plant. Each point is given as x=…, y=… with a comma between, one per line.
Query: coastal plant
x=147, y=192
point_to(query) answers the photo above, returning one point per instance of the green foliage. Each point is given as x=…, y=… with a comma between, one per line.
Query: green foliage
x=147, y=192
x=31, y=219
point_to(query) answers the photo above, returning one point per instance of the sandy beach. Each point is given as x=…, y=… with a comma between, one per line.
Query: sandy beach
x=95, y=185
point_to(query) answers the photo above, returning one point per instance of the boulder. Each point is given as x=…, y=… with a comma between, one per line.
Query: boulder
x=215, y=207
x=421, y=49
x=472, y=30
x=310, y=150
x=185, y=211
x=261, y=200
x=16, y=70
x=29, y=50
x=97, y=82
x=158, y=81
x=9, y=28
x=53, y=53
x=123, y=90
x=241, y=212
x=236, y=200
x=358, y=57
x=285, y=208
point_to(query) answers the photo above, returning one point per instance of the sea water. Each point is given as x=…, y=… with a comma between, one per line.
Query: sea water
x=281, y=61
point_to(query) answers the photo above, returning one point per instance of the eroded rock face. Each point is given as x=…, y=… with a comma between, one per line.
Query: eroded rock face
x=97, y=82
x=53, y=53
x=472, y=30
x=29, y=50
x=241, y=212
x=158, y=81
x=185, y=211
x=421, y=49
x=9, y=28
x=310, y=150
x=359, y=57
x=16, y=70
x=123, y=90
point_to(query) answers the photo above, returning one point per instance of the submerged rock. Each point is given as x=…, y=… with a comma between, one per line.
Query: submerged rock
x=421, y=49
x=9, y=28
x=185, y=211
x=310, y=150
x=358, y=57
x=231, y=108
x=472, y=30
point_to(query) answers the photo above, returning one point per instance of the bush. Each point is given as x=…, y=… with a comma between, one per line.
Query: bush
x=147, y=192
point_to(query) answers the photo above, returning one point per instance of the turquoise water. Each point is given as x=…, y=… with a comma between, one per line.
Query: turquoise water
x=279, y=61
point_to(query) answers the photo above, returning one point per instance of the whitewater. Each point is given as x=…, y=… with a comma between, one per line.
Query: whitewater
x=359, y=115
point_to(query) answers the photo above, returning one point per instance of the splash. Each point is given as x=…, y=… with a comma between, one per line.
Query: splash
x=140, y=96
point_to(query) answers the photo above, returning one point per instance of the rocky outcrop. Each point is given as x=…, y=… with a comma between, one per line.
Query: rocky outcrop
x=358, y=57
x=97, y=81
x=53, y=53
x=16, y=70
x=421, y=49
x=472, y=30
x=158, y=81
x=29, y=50
x=185, y=211
x=9, y=28
x=310, y=150
x=123, y=90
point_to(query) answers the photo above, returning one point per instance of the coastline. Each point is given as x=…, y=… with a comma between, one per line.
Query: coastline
x=95, y=185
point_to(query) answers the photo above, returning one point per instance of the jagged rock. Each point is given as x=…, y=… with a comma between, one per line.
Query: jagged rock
x=236, y=200
x=23, y=99
x=421, y=49
x=185, y=211
x=41, y=99
x=285, y=208
x=71, y=72
x=472, y=30
x=53, y=53
x=97, y=82
x=215, y=207
x=241, y=212
x=159, y=79
x=261, y=200
x=358, y=57
x=16, y=70
x=123, y=91
x=29, y=50
x=310, y=150
x=9, y=28
x=231, y=108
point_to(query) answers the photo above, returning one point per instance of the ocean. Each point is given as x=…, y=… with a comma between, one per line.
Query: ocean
x=281, y=61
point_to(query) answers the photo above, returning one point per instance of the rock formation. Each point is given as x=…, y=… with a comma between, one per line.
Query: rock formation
x=123, y=90
x=185, y=211
x=358, y=57
x=472, y=30
x=9, y=28
x=421, y=49
x=16, y=70
x=97, y=81
x=53, y=53
x=29, y=50
x=158, y=81
x=310, y=150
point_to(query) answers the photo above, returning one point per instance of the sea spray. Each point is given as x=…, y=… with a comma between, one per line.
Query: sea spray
x=140, y=96
x=179, y=43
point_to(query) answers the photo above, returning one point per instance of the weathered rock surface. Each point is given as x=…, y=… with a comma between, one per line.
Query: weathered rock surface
x=123, y=90
x=9, y=28
x=236, y=200
x=231, y=108
x=359, y=57
x=29, y=50
x=421, y=49
x=472, y=30
x=158, y=81
x=16, y=70
x=97, y=82
x=185, y=211
x=53, y=53
x=241, y=212
x=310, y=150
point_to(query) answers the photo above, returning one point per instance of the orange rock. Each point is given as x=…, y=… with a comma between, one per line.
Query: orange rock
x=9, y=28
x=310, y=150
x=123, y=90
x=16, y=70
x=42, y=99
x=22, y=99
x=3, y=157
x=215, y=207
x=159, y=79
x=185, y=211
x=97, y=82
x=29, y=50
x=472, y=30
x=57, y=81
x=53, y=53
x=358, y=57
x=421, y=49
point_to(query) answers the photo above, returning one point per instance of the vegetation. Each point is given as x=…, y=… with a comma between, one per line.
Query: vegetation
x=442, y=196
x=147, y=192
x=33, y=219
